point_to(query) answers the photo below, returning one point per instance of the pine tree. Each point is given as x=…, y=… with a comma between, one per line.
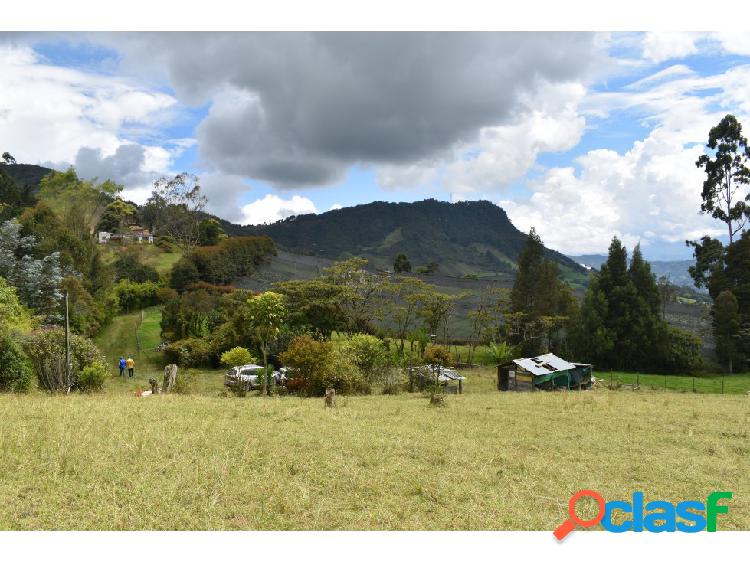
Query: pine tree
x=620, y=324
x=525, y=290
x=644, y=280
x=539, y=302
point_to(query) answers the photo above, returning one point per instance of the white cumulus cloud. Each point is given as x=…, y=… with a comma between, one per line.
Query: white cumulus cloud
x=64, y=116
x=649, y=192
x=659, y=46
x=272, y=208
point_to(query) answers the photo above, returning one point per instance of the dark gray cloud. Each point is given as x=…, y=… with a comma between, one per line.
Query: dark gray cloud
x=124, y=166
x=299, y=108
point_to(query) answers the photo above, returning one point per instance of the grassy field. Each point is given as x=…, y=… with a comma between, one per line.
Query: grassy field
x=488, y=460
x=707, y=384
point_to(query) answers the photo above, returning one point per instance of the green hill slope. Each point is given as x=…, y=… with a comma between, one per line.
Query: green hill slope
x=26, y=174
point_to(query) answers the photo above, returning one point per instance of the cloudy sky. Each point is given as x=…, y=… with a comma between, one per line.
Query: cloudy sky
x=583, y=136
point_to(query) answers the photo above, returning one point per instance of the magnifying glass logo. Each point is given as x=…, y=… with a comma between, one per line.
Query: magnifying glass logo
x=569, y=524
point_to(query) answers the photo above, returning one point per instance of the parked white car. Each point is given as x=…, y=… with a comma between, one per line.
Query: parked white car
x=247, y=376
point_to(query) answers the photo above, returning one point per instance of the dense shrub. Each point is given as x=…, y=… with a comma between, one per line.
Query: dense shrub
x=46, y=351
x=370, y=356
x=128, y=266
x=166, y=243
x=165, y=294
x=343, y=375
x=183, y=274
x=15, y=369
x=679, y=351
x=87, y=316
x=437, y=355
x=209, y=231
x=135, y=296
x=190, y=352
x=315, y=366
x=194, y=314
x=305, y=358
x=229, y=259
x=236, y=356
x=92, y=377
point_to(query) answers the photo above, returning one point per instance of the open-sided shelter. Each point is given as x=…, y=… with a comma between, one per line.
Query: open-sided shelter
x=546, y=372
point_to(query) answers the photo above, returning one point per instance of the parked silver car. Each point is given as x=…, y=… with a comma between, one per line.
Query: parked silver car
x=247, y=376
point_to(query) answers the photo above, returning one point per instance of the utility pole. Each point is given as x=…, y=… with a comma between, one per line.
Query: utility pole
x=67, y=344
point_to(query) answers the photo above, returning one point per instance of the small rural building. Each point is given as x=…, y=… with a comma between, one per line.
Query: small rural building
x=423, y=377
x=546, y=372
x=134, y=233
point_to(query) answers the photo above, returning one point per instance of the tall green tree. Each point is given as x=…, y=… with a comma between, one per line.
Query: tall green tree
x=540, y=302
x=726, y=322
x=590, y=337
x=361, y=291
x=620, y=322
x=177, y=204
x=116, y=215
x=314, y=304
x=209, y=231
x=644, y=280
x=79, y=204
x=266, y=314
x=402, y=264
x=725, y=189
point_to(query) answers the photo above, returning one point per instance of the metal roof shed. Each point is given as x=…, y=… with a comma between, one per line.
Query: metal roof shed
x=545, y=372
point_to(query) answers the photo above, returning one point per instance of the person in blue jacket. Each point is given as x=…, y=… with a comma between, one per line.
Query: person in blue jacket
x=122, y=366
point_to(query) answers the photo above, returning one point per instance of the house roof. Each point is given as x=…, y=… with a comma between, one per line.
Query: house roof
x=445, y=375
x=544, y=364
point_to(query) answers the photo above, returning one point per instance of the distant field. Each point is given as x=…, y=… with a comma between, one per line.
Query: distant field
x=488, y=460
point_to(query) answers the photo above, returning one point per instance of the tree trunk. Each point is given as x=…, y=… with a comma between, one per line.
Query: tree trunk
x=170, y=377
x=264, y=382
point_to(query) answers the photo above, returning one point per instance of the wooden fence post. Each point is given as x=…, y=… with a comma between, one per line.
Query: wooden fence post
x=330, y=399
x=170, y=376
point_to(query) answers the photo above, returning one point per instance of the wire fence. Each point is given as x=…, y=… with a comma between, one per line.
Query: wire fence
x=727, y=384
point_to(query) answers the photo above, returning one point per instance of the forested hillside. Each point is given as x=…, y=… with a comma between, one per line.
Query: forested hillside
x=462, y=238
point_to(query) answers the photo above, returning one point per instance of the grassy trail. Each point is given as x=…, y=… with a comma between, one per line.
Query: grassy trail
x=136, y=334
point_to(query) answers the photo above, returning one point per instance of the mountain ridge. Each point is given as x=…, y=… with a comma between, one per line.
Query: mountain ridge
x=675, y=270
x=463, y=238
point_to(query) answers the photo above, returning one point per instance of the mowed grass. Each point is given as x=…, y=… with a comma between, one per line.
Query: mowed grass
x=488, y=460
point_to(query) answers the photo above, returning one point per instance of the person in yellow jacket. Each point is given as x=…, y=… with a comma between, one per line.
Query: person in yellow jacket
x=131, y=365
